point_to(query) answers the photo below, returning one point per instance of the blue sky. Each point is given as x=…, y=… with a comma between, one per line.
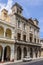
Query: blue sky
x=32, y=8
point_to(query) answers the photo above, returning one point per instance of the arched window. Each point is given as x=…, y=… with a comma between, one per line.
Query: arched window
x=18, y=24
x=1, y=31
x=8, y=33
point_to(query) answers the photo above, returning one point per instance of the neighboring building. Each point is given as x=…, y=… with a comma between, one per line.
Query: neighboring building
x=19, y=37
x=41, y=41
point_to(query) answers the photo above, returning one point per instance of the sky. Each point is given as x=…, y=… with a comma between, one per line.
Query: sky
x=31, y=8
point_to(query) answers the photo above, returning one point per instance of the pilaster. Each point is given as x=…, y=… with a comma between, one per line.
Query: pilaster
x=22, y=54
x=34, y=53
x=3, y=55
x=28, y=52
x=12, y=54
x=12, y=35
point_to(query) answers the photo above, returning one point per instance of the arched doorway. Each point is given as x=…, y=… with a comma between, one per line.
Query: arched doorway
x=18, y=53
x=25, y=52
x=36, y=52
x=39, y=52
x=1, y=51
x=7, y=52
x=31, y=53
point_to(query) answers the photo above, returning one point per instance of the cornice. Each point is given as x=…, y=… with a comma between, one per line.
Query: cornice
x=6, y=23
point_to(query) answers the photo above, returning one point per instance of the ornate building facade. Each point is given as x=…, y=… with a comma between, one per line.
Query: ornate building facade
x=19, y=37
x=41, y=41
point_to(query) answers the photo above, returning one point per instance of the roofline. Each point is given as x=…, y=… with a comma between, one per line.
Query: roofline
x=26, y=20
x=4, y=9
x=4, y=22
x=16, y=4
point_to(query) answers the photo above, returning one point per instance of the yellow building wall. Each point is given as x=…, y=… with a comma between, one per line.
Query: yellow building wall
x=4, y=16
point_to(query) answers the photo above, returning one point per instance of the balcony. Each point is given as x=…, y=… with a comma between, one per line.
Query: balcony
x=5, y=39
x=21, y=42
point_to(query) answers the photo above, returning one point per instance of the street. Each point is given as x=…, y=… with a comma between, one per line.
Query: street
x=28, y=63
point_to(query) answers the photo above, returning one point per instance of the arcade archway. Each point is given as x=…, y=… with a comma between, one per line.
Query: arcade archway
x=25, y=52
x=1, y=51
x=18, y=53
x=7, y=52
x=31, y=52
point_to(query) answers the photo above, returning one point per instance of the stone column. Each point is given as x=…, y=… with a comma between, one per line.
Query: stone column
x=33, y=36
x=22, y=53
x=34, y=53
x=4, y=32
x=36, y=40
x=12, y=35
x=28, y=52
x=12, y=54
x=3, y=55
x=15, y=53
x=21, y=35
x=38, y=53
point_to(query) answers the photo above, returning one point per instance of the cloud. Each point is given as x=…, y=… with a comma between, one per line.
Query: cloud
x=9, y=5
x=2, y=6
x=6, y=6
x=24, y=2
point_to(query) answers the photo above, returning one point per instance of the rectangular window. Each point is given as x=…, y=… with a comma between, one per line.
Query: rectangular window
x=31, y=29
x=35, y=40
x=18, y=24
x=24, y=37
x=38, y=40
x=31, y=36
x=18, y=36
x=24, y=26
x=30, y=39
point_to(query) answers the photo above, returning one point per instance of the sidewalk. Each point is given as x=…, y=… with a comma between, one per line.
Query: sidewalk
x=37, y=59
x=33, y=60
x=10, y=62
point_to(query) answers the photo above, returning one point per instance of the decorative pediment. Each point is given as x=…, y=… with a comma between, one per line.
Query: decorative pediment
x=30, y=20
